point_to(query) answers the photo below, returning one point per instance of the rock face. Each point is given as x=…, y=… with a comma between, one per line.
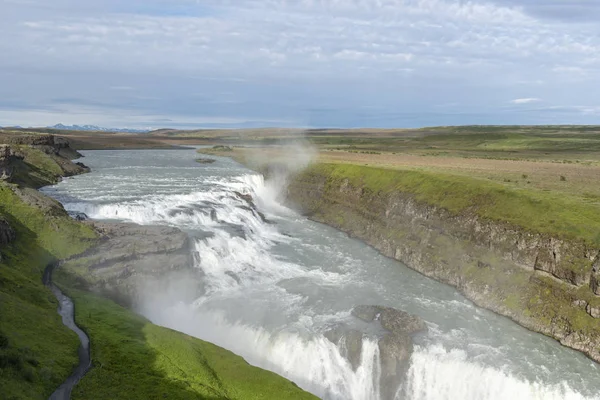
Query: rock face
x=57, y=149
x=7, y=157
x=395, y=345
x=49, y=144
x=132, y=260
x=537, y=280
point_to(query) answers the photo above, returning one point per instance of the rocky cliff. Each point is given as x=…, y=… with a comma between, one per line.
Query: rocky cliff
x=37, y=160
x=546, y=283
x=49, y=144
x=8, y=158
x=131, y=261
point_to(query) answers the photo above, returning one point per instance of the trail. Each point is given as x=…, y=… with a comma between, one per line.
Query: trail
x=66, y=310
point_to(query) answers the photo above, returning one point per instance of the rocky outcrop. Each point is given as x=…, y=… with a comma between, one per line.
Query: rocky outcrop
x=49, y=144
x=395, y=344
x=131, y=260
x=7, y=159
x=21, y=166
x=32, y=140
x=547, y=284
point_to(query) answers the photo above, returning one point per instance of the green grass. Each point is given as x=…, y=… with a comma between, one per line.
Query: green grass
x=42, y=350
x=134, y=359
x=535, y=211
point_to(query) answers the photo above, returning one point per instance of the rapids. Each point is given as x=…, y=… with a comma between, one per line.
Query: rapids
x=272, y=288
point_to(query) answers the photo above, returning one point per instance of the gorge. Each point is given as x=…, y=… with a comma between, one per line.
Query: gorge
x=272, y=286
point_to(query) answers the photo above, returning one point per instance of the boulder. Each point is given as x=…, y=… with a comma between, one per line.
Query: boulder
x=593, y=311
x=78, y=216
x=392, y=320
x=205, y=160
x=395, y=344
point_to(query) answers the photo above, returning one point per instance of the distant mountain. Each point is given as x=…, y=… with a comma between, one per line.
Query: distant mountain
x=96, y=128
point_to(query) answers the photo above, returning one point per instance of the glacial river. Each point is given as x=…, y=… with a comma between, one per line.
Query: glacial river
x=271, y=289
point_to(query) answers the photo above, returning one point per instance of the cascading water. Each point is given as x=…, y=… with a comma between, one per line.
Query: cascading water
x=275, y=285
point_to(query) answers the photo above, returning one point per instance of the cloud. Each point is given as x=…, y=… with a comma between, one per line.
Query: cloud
x=528, y=100
x=264, y=59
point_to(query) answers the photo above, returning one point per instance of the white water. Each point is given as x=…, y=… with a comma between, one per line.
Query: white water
x=273, y=288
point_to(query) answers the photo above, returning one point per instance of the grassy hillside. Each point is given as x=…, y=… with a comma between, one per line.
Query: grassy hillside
x=36, y=351
x=132, y=358
x=145, y=361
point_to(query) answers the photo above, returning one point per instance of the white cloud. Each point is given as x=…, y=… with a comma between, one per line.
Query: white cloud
x=527, y=100
x=289, y=56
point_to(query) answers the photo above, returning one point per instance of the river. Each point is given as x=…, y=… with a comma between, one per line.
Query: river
x=272, y=288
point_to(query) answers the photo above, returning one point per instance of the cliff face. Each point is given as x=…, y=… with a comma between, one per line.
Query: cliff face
x=8, y=158
x=37, y=160
x=49, y=144
x=547, y=284
x=131, y=261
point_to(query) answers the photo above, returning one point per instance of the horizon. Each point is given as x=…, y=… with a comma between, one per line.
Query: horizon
x=298, y=128
x=249, y=63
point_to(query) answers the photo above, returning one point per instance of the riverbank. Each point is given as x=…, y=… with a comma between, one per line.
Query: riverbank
x=131, y=357
x=531, y=255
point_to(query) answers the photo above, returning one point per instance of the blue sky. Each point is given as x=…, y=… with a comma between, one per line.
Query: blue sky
x=304, y=63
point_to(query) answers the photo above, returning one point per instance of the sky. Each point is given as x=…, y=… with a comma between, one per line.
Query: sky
x=301, y=63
